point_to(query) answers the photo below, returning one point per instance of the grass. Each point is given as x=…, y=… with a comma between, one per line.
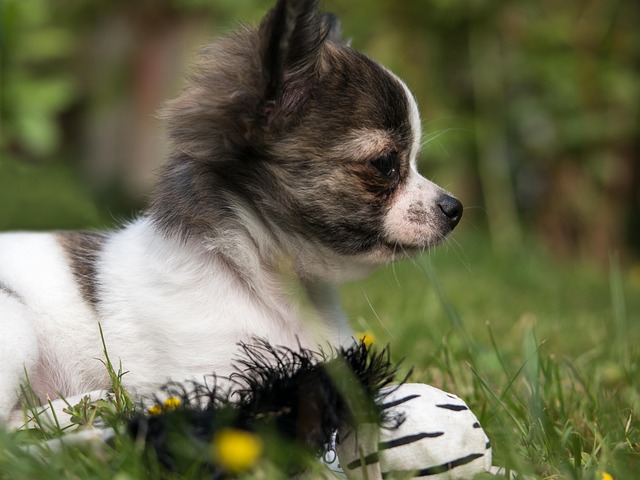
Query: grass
x=546, y=353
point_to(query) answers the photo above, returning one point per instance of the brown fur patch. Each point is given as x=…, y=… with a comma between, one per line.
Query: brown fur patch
x=83, y=249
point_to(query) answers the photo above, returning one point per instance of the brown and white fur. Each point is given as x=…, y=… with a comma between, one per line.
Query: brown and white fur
x=292, y=169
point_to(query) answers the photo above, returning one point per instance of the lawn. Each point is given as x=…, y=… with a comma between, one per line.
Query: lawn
x=545, y=351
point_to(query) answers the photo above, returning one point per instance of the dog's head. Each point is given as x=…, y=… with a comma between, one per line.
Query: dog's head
x=287, y=126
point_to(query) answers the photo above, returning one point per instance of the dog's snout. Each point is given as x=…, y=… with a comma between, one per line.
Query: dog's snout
x=452, y=209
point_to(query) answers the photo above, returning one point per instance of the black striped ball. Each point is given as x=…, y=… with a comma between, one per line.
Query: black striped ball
x=440, y=438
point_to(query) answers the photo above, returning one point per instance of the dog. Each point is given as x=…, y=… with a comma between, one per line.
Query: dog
x=292, y=169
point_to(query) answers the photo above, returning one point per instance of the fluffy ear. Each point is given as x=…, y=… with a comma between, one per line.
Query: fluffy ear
x=292, y=36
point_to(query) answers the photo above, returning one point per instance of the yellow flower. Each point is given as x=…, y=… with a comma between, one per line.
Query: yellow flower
x=236, y=450
x=171, y=403
x=606, y=476
x=367, y=338
x=155, y=410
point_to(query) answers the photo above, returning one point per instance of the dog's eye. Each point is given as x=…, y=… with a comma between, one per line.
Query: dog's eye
x=387, y=165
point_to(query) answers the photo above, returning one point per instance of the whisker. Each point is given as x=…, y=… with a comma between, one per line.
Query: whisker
x=430, y=137
x=453, y=242
x=373, y=310
x=393, y=264
x=475, y=207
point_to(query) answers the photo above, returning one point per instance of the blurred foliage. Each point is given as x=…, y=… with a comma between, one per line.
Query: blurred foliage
x=531, y=109
x=47, y=197
x=35, y=89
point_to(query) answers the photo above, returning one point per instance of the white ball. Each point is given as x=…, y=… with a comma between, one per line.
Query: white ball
x=440, y=438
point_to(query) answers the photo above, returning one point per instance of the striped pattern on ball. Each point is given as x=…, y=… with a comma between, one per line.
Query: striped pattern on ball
x=440, y=439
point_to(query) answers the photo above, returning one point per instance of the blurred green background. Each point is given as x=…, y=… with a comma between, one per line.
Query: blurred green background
x=531, y=109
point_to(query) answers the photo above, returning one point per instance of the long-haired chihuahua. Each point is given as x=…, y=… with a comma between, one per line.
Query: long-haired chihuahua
x=292, y=169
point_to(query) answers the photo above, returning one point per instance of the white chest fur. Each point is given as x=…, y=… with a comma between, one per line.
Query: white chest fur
x=173, y=309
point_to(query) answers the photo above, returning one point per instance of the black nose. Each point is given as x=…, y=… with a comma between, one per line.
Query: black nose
x=452, y=209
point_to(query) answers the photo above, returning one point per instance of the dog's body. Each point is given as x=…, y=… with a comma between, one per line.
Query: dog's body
x=167, y=308
x=293, y=169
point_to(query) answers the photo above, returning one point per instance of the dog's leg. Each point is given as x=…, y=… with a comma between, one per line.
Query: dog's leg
x=18, y=349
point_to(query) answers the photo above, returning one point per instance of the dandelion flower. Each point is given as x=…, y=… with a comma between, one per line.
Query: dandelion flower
x=155, y=410
x=367, y=338
x=606, y=476
x=236, y=450
x=171, y=403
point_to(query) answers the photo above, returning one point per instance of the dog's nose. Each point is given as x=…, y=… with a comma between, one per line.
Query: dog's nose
x=452, y=209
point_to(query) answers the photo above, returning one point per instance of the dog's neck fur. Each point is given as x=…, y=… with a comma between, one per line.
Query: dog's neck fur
x=277, y=268
x=194, y=203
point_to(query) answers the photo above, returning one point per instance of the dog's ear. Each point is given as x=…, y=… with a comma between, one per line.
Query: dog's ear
x=292, y=36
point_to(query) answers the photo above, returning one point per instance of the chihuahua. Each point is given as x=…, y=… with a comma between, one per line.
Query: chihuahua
x=292, y=169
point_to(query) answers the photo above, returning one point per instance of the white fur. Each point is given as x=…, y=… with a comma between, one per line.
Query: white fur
x=168, y=309
x=200, y=308
x=46, y=324
x=414, y=119
x=409, y=222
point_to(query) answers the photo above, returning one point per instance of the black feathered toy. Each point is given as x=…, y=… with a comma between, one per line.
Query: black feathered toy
x=295, y=406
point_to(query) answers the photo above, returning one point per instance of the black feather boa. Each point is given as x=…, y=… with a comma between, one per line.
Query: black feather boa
x=297, y=398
